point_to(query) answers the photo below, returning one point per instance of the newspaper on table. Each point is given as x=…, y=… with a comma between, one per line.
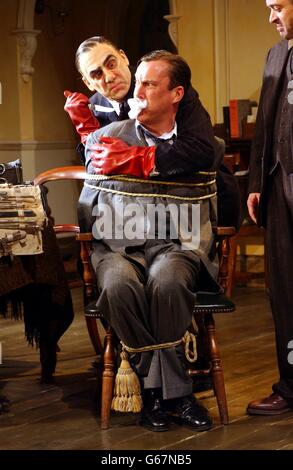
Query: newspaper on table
x=22, y=219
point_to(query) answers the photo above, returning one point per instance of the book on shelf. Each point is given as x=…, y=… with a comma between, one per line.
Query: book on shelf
x=238, y=112
x=248, y=130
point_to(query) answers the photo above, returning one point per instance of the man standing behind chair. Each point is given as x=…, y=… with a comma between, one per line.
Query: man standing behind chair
x=105, y=69
x=155, y=276
x=270, y=201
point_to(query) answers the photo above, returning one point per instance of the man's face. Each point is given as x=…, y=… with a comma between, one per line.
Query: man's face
x=106, y=70
x=281, y=14
x=152, y=85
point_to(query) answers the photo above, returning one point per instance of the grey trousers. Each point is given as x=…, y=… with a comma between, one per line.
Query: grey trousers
x=147, y=295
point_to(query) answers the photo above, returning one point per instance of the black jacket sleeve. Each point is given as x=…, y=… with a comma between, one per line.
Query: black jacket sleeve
x=257, y=148
x=194, y=148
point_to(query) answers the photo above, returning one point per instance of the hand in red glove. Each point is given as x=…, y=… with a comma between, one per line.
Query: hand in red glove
x=113, y=156
x=77, y=106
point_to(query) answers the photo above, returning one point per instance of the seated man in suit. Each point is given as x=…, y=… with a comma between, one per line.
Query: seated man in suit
x=105, y=70
x=150, y=264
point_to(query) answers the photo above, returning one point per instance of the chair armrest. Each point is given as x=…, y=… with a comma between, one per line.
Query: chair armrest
x=85, y=237
x=61, y=173
x=66, y=228
x=224, y=231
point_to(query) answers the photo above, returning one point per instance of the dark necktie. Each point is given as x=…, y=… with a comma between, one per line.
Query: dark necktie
x=124, y=108
x=158, y=140
x=291, y=60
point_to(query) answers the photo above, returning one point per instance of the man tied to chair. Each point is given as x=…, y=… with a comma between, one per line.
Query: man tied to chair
x=147, y=286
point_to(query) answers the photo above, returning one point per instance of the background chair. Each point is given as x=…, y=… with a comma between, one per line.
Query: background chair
x=248, y=232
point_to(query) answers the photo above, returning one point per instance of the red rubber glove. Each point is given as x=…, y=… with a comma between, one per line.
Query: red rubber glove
x=77, y=106
x=113, y=156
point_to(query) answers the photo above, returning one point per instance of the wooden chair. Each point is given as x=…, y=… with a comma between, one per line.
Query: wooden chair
x=204, y=309
x=206, y=306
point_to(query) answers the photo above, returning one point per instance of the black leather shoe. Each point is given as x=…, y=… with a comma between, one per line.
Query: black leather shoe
x=48, y=359
x=202, y=383
x=47, y=379
x=188, y=412
x=153, y=415
x=4, y=404
x=272, y=405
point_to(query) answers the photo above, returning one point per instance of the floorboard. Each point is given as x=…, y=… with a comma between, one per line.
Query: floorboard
x=65, y=416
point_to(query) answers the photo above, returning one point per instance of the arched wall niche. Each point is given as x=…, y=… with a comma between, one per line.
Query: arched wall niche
x=27, y=37
x=27, y=34
x=173, y=19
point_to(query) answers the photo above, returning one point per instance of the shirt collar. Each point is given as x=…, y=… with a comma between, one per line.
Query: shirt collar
x=115, y=105
x=164, y=136
x=290, y=44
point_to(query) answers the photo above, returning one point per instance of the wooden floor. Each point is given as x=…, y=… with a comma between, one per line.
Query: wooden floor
x=65, y=416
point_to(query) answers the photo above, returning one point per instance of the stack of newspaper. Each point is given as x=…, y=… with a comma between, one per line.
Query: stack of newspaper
x=22, y=219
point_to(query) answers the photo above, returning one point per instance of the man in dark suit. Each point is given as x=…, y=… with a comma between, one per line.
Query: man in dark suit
x=113, y=82
x=105, y=68
x=270, y=201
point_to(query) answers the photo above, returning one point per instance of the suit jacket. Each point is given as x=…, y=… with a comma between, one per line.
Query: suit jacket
x=195, y=149
x=261, y=153
x=119, y=194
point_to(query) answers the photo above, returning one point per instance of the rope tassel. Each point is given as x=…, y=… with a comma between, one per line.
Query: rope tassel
x=127, y=393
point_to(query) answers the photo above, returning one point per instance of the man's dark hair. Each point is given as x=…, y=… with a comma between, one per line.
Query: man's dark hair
x=180, y=73
x=89, y=44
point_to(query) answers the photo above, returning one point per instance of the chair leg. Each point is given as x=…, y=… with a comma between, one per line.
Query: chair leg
x=107, y=379
x=217, y=370
x=93, y=332
x=231, y=265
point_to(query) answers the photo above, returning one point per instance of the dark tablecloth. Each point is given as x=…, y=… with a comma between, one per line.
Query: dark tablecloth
x=35, y=288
